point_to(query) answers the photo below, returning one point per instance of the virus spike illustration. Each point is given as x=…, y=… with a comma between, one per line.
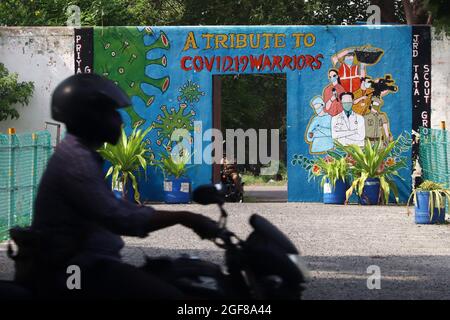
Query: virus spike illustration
x=162, y=83
x=161, y=43
x=121, y=55
x=160, y=61
x=148, y=30
x=190, y=92
x=136, y=120
x=169, y=121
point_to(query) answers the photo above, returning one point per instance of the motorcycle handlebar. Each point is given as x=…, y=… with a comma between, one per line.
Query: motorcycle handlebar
x=224, y=239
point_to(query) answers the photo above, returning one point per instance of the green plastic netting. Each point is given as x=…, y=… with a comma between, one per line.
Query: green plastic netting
x=433, y=155
x=23, y=158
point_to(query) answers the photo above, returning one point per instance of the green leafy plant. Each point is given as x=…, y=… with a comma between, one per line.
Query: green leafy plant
x=331, y=169
x=128, y=157
x=12, y=92
x=373, y=161
x=438, y=195
x=174, y=164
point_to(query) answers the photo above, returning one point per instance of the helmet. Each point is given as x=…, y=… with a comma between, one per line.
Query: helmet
x=84, y=91
x=87, y=104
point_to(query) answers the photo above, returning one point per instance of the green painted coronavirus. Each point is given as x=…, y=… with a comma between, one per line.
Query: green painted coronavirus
x=190, y=92
x=121, y=55
x=169, y=121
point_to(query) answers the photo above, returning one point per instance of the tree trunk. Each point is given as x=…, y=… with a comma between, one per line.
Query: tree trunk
x=415, y=12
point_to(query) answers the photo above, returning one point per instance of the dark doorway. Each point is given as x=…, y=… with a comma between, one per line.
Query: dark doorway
x=254, y=101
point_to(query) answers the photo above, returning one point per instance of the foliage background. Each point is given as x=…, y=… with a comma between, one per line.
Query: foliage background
x=12, y=92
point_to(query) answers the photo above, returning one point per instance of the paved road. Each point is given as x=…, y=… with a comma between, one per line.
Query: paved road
x=339, y=243
x=265, y=193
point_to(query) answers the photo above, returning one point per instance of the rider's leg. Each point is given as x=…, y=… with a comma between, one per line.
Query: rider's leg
x=114, y=279
x=105, y=279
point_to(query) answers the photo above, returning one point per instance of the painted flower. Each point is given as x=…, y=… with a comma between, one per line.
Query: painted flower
x=390, y=162
x=328, y=159
x=316, y=170
x=349, y=159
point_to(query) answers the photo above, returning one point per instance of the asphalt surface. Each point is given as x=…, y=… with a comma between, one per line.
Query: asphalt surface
x=266, y=193
x=339, y=244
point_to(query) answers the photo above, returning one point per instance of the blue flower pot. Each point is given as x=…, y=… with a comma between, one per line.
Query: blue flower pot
x=117, y=193
x=128, y=196
x=177, y=190
x=371, y=192
x=422, y=210
x=336, y=194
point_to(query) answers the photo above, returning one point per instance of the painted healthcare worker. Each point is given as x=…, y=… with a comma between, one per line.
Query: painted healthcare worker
x=350, y=71
x=348, y=127
x=318, y=133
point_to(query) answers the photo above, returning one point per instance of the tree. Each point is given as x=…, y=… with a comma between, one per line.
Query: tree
x=432, y=12
x=242, y=12
x=12, y=93
x=439, y=14
x=221, y=12
x=93, y=12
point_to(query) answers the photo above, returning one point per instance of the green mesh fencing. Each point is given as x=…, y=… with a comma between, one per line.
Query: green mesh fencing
x=433, y=155
x=23, y=158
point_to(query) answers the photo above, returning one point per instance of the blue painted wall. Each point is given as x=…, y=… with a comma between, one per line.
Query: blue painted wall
x=302, y=85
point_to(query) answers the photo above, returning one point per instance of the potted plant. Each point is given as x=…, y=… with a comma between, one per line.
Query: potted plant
x=177, y=186
x=429, y=201
x=373, y=170
x=335, y=178
x=128, y=158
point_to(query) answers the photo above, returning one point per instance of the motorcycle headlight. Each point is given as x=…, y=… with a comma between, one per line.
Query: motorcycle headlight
x=301, y=265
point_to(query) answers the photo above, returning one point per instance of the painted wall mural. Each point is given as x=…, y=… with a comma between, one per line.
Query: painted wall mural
x=123, y=55
x=349, y=109
x=350, y=83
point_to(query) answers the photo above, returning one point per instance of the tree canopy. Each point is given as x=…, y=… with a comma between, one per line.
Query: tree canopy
x=225, y=12
x=12, y=92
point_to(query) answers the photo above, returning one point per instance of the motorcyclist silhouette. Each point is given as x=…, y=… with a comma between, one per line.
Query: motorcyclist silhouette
x=79, y=219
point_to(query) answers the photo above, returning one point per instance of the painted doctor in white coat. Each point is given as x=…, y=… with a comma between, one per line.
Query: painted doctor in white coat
x=348, y=127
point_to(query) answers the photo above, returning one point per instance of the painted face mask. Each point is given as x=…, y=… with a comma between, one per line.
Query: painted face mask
x=318, y=104
x=347, y=106
x=333, y=78
x=318, y=107
x=367, y=85
x=348, y=60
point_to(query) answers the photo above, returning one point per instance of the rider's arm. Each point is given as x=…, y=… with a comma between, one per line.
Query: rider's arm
x=87, y=190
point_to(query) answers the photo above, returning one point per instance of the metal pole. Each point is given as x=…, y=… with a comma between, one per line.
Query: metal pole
x=33, y=174
x=12, y=176
x=446, y=173
x=58, y=130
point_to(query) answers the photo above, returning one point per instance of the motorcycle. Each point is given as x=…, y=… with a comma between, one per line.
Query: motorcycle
x=266, y=265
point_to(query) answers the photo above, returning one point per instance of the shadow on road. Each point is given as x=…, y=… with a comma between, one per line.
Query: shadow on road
x=346, y=277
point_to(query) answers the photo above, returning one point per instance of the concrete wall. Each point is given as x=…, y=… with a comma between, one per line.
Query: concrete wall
x=42, y=55
x=440, y=80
